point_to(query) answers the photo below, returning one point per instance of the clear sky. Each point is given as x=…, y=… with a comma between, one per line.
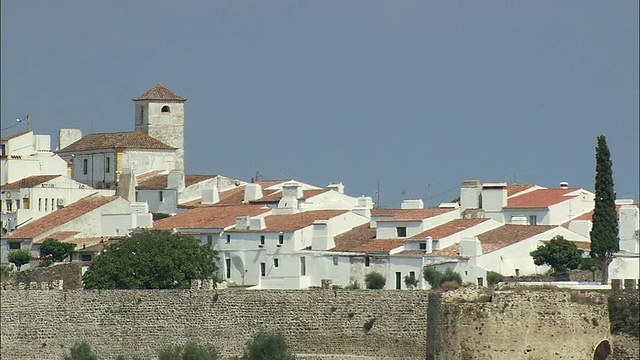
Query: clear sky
x=412, y=97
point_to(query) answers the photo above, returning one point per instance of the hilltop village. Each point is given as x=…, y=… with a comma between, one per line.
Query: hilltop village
x=96, y=189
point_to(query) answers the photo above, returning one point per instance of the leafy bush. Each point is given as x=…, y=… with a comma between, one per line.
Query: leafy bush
x=559, y=253
x=45, y=263
x=494, y=277
x=19, y=257
x=375, y=280
x=81, y=351
x=189, y=351
x=5, y=270
x=353, y=286
x=449, y=285
x=624, y=314
x=56, y=250
x=436, y=278
x=368, y=325
x=410, y=281
x=267, y=346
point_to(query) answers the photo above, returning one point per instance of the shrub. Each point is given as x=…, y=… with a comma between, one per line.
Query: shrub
x=353, y=286
x=368, y=325
x=81, y=351
x=410, y=281
x=449, y=285
x=19, y=258
x=437, y=278
x=375, y=280
x=494, y=277
x=624, y=314
x=56, y=250
x=45, y=263
x=189, y=351
x=267, y=346
x=5, y=270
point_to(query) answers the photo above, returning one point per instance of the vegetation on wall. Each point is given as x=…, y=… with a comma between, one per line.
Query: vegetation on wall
x=81, y=351
x=559, y=253
x=266, y=345
x=19, y=258
x=375, y=280
x=152, y=260
x=624, y=314
x=437, y=279
x=604, y=232
x=189, y=351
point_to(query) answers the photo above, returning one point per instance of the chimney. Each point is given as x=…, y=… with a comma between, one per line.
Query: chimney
x=321, y=239
x=210, y=196
x=126, y=187
x=564, y=185
x=336, y=186
x=291, y=192
x=252, y=192
x=470, y=194
x=429, y=247
x=412, y=204
x=175, y=180
x=257, y=223
x=470, y=247
x=494, y=196
x=242, y=222
x=67, y=137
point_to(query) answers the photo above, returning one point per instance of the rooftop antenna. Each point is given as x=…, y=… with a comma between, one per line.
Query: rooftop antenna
x=378, y=197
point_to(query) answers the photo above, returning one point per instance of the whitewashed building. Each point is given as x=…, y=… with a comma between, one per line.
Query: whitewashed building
x=26, y=154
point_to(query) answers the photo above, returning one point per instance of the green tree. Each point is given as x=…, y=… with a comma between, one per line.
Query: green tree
x=559, y=253
x=375, y=280
x=267, y=346
x=604, y=232
x=410, y=281
x=81, y=351
x=436, y=278
x=494, y=277
x=19, y=258
x=189, y=351
x=152, y=260
x=55, y=250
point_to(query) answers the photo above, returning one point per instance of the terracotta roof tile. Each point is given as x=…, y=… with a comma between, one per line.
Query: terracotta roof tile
x=160, y=181
x=514, y=189
x=29, y=182
x=124, y=139
x=159, y=92
x=417, y=214
x=293, y=222
x=379, y=245
x=277, y=196
x=385, y=212
x=98, y=247
x=541, y=198
x=211, y=217
x=354, y=238
x=15, y=135
x=235, y=196
x=453, y=250
x=60, y=236
x=449, y=228
x=582, y=245
x=62, y=216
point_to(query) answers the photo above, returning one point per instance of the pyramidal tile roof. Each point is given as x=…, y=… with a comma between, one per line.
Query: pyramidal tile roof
x=123, y=139
x=160, y=92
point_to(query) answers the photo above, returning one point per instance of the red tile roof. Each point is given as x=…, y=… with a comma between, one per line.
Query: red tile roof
x=277, y=196
x=582, y=245
x=60, y=236
x=541, y=198
x=62, y=216
x=211, y=217
x=97, y=247
x=417, y=214
x=293, y=222
x=15, y=135
x=160, y=181
x=385, y=212
x=235, y=196
x=354, y=238
x=379, y=246
x=159, y=92
x=449, y=228
x=29, y=182
x=124, y=139
x=514, y=189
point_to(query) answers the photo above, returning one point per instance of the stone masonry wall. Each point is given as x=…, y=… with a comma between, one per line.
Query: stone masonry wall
x=45, y=324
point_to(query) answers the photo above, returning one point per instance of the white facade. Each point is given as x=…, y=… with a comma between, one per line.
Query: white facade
x=27, y=154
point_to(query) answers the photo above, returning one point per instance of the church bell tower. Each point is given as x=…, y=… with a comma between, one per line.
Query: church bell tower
x=160, y=114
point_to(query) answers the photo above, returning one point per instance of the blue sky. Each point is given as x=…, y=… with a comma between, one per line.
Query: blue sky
x=412, y=97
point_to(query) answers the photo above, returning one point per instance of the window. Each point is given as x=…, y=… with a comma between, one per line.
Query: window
x=533, y=220
x=303, y=266
x=276, y=262
x=263, y=269
x=136, y=196
x=141, y=114
x=210, y=240
x=517, y=272
x=412, y=274
x=85, y=257
x=261, y=239
x=280, y=239
x=398, y=280
x=9, y=205
x=161, y=196
x=227, y=264
x=367, y=261
x=14, y=245
x=25, y=203
x=480, y=281
x=53, y=201
x=335, y=261
x=228, y=238
x=107, y=164
x=166, y=109
x=39, y=204
x=85, y=167
x=3, y=150
x=423, y=246
x=401, y=231
x=46, y=204
x=17, y=204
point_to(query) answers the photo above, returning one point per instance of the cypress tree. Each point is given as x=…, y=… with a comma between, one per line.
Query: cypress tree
x=604, y=233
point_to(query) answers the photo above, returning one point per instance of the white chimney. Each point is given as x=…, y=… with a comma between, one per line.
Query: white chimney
x=412, y=204
x=210, y=196
x=67, y=137
x=175, y=180
x=365, y=202
x=252, y=192
x=242, y=222
x=336, y=186
x=257, y=223
x=292, y=189
x=564, y=185
x=494, y=196
x=321, y=239
x=470, y=195
x=429, y=247
x=470, y=247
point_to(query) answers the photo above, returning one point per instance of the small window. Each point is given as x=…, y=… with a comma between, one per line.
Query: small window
x=227, y=263
x=303, y=266
x=263, y=269
x=141, y=114
x=210, y=240
x=276, y=263
x=261, y=239
x=17, y=204
x=136, y=196
x=401, y=231
x=335, y=261
x=85, y=167
x=39, y=204
x=280, y=239
x=161, y=196
x=9, y=205
x=26, y=203
x=107, y=164
x=14, y=245
x=228, y=238
x=46, y=204
x=533, y=220
x=480, y=281
x=517, y=272
x=423, y=246
x=85, y=257
x=166, y=109
x=412, y=274
x=367, y=261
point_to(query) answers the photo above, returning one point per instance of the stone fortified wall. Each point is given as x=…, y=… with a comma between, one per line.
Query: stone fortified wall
x=514, y=324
